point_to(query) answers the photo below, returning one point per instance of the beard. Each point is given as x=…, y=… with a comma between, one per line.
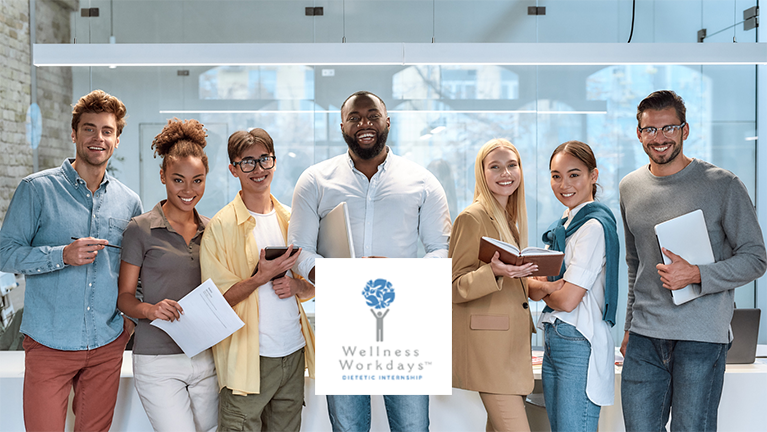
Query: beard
x=366, y=153
x=676, y=148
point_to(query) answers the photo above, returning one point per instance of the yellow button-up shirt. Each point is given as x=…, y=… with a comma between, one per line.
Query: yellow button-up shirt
x=228, y=254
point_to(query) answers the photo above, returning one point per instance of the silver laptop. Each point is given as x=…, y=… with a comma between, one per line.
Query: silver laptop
x=745, y=332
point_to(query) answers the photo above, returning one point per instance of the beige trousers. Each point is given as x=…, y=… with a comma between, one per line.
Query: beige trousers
x=505, y=412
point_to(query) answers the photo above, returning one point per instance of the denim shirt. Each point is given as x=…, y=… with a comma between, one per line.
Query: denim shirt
x=67, y=307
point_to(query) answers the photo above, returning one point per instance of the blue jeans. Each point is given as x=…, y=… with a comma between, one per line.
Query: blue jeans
x=405, y=413
x=564, y=371
x=660, y=373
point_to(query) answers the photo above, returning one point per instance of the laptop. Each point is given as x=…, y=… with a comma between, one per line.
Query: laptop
x=334, y=239
x=745, y=333
x=687, y=237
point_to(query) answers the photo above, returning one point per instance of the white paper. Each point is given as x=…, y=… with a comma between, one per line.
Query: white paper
x=207, y=320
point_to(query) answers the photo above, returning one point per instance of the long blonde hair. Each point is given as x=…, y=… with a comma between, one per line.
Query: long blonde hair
x=515, y=213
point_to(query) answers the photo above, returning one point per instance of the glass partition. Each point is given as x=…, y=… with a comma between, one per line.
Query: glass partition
x=440, y=116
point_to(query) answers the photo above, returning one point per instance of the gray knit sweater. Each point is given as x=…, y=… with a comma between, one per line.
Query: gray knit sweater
x=736, y=240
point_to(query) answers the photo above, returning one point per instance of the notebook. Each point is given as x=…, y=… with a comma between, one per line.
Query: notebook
x=687, y=237
x=745, y=333
x=334, y=239
x=549, y=262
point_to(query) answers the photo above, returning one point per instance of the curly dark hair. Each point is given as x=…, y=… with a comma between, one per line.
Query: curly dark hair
x=97, y=102
x=180, y=139
x=363, y=93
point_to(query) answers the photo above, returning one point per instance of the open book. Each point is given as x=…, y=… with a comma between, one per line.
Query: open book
x=549, y=262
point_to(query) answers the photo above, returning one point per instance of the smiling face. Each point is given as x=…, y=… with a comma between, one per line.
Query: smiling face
x=571, y=181
x=184, y=180
x=365, y=126
x=95, y=138
x=259, y=180
x=660, y=149
x=502, y=175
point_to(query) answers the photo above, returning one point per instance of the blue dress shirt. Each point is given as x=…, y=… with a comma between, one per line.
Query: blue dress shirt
x=67, y=307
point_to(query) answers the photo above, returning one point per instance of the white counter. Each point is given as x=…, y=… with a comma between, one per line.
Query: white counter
x=741, y=409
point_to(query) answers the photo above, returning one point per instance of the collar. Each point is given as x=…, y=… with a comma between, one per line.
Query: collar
x=74, y=178
x=157, y=218
x=570, y=214
x=381, y=167
x=243, y=215
x=682, y=172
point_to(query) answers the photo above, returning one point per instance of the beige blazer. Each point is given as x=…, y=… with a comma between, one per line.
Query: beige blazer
x=492, y=324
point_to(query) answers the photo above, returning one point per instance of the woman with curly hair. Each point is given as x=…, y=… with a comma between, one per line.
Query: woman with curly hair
x=163, y=248
x=491, y=318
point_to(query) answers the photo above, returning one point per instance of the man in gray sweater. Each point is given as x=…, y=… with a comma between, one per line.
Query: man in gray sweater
x=675, y=354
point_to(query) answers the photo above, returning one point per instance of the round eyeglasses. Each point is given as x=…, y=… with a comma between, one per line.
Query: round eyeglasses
x=248, y=164
x=669, y=131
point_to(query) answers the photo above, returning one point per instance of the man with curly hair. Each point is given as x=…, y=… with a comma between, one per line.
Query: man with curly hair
x=63, y=230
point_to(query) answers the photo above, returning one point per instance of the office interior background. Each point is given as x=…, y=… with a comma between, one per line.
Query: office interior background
x=440, y=113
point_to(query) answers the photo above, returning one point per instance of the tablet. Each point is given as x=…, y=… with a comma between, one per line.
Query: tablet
x=273, y=252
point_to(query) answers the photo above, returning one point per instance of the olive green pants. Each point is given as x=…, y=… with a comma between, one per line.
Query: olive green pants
x=276, y=408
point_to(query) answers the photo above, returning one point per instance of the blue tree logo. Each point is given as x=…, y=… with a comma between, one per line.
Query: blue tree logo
x=379, y=294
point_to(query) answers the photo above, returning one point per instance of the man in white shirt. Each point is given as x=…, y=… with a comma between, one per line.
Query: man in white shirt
x=392, y=202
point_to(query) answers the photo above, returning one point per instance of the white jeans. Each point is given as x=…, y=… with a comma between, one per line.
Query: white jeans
x=179, y=393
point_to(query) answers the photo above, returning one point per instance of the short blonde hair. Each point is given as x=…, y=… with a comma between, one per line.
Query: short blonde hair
x=515, y=213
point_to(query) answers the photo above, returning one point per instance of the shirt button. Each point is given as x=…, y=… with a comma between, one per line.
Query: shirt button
x=88, y=195
x=90, y=284
x=525, y=306
x=57, y=266
x=89, y=308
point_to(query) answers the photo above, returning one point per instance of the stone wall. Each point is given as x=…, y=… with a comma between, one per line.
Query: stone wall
x=54, y=91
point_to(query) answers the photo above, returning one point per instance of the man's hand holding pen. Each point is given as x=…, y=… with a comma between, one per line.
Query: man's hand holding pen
x=83, y=251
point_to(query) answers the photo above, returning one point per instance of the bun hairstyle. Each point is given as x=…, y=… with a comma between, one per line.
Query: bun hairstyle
x=180, y=139
x=583, y=153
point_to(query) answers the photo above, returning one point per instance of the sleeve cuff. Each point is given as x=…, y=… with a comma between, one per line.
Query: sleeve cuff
x=580, y=276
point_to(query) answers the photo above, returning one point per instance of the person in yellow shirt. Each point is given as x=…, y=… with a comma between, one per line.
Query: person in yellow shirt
x=261, y=366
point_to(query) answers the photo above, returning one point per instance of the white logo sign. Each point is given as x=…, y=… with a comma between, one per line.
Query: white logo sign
x=383, y=326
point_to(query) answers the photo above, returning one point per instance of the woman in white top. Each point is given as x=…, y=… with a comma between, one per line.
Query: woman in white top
x=578, y=366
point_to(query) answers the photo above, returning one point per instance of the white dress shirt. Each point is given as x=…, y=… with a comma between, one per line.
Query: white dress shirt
x=585, y=259
x=401, y=203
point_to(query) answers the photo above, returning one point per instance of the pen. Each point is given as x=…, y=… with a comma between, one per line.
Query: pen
x=107, y=245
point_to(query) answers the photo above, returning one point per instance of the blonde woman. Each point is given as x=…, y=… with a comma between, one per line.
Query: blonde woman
x=491, y=317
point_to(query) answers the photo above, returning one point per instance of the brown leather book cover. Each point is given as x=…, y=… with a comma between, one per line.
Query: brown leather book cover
x=549, y=262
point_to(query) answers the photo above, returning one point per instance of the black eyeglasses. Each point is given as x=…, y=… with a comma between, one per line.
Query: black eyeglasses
x=248, y=164
x=669, y=131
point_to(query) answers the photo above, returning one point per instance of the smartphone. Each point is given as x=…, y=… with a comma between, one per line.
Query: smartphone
x=273, y=252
